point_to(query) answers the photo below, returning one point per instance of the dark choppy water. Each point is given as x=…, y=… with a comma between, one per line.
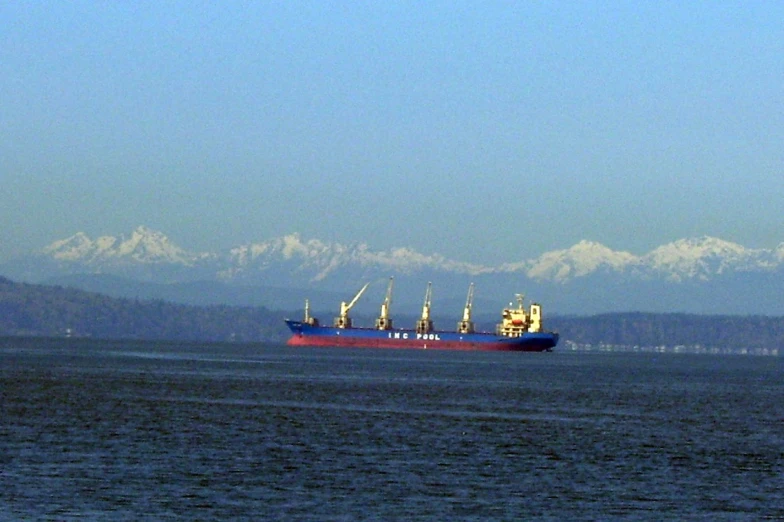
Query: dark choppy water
x=130, y=431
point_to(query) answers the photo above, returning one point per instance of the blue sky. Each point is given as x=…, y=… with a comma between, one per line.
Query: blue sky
x=485, y=131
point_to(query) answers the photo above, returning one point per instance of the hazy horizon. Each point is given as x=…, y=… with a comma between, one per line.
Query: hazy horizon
x=484, y=133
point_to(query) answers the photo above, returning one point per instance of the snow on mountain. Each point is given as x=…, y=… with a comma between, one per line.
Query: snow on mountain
x=144, y=246
x=700, y=275
x=686, y=259
x=74, y=248
x=312, y=254
x=701, y=258
x=697, y=259
x=779, y=253
x=324, y=259
x=581, y=259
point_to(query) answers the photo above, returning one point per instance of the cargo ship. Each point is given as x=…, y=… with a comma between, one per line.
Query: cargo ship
x=520, y=330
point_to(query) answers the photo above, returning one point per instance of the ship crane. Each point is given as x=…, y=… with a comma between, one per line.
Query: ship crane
x=344, y=321
x=467, y=325
x=425, y=325
x=309, y=319
x=384, y=322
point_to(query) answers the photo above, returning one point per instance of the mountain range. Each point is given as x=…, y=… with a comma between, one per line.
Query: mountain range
x=697, y=275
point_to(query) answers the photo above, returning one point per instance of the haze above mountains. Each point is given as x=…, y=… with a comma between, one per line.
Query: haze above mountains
x=698, y=275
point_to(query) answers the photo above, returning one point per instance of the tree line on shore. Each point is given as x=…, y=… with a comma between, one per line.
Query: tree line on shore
x=54, y=311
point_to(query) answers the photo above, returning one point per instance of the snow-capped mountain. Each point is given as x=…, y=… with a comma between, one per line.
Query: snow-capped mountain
x=582, y=259
x=697, y=274
x=686, y=259
x=705, y=257
x=144, y=246
x=324, y=259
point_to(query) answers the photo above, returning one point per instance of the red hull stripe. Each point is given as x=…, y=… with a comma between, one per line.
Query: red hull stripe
x=417, y=344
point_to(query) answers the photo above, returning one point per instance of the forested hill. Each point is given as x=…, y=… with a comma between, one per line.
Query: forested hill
x=728, y=333
x=38, y=310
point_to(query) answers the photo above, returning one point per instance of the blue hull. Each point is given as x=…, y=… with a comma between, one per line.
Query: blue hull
x=305, y=334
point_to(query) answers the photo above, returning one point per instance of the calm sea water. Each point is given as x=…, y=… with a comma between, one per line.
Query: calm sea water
x=95, y=430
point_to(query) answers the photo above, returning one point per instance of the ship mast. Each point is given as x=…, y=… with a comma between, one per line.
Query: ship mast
x=467, y=325
x=343, y=320
x=384, y=322
x=425, y=325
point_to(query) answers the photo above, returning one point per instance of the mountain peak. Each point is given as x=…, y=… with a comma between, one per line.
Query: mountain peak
x=323, y=259
x=587, y=275
x=699, y=257
x=145, y=246
x=578, y=260
x=705, y=243
x=70, y=248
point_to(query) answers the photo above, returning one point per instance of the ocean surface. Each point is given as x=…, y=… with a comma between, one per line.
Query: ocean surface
x=98, y=430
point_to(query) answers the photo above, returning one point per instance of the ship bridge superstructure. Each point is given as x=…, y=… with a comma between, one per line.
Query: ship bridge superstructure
x=517, y=321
